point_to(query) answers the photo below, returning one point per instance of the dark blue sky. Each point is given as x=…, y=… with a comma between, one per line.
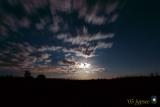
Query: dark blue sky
x=82, y=40
x=136, y=47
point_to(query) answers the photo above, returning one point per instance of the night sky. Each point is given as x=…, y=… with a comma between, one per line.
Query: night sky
x=79, y=39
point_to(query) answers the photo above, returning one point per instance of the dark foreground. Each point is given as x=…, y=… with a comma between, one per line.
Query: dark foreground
x=73, y=93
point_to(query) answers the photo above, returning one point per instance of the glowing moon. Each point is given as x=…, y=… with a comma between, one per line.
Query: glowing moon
x=84, y=65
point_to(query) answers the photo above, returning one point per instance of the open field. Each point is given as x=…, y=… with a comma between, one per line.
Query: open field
x=77, y=93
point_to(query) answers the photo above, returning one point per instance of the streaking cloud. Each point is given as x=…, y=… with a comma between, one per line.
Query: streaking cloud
x=55, y=35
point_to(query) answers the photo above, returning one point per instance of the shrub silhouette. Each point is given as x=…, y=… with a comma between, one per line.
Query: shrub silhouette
x=27, y=74
x=41, y=76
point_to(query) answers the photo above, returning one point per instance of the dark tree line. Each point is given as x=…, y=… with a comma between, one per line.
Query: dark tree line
x=28, y=75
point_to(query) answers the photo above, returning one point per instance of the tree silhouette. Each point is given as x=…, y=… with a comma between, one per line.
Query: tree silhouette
x=41, y=76
x=27, y=74
x=152, y=75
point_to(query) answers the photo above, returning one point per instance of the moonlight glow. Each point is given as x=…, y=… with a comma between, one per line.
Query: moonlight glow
x=84, y=65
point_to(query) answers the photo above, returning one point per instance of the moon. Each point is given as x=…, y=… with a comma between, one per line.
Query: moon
x=84, y=65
